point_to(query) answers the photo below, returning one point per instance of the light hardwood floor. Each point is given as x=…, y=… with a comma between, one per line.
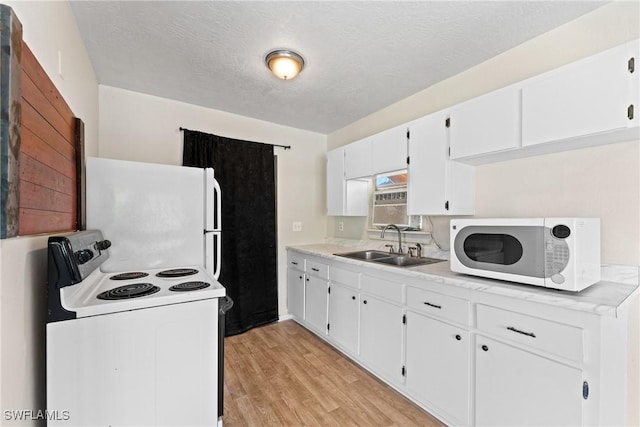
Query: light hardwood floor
x=283, y=375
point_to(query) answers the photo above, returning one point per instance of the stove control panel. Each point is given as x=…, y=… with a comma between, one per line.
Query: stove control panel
x=76, y=255
x=71, y=259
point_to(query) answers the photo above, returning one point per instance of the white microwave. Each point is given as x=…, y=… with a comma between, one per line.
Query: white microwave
x=558, y=253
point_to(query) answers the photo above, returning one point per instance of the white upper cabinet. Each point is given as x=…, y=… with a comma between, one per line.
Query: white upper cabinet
x=390, y=150
x=335, y=182
x=595, y=95
x=437, y=185
x=487, y=124
x=344, y=197
x=358, y=159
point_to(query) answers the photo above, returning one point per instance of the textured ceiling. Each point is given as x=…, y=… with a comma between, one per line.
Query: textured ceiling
x=360, y=56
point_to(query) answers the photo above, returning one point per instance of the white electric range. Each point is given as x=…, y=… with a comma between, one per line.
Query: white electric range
x=129, y=348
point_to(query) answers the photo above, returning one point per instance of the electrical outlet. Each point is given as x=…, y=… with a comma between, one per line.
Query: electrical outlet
x=297, y=226
x=341, y=226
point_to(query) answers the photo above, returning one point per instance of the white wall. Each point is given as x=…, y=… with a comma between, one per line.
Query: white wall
x=139, y=127
x=47, y=28
x=602, y=182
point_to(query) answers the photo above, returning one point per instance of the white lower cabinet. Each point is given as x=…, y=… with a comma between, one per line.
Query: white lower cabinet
x=381, y=331
x=468, y=357
x=517, y=387
x=343, y=317
x=315, y=303
x=295, y=293
x=437, y=366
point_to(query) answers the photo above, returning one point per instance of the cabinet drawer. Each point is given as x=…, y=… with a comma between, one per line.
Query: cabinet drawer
x=345, y=277
x=554, y=338
x=317, y=269
x=443, y=306
x=386, y=289
x=295, y=261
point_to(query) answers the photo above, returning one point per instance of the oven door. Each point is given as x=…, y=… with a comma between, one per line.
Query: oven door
x=507, y=252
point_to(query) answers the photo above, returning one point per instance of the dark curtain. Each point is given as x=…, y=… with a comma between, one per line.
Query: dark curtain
x=246, y=173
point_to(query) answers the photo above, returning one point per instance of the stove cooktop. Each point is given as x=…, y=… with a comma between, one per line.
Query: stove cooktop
x=105, y=293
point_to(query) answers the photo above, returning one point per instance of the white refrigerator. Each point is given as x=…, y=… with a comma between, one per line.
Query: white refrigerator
x=156, y=216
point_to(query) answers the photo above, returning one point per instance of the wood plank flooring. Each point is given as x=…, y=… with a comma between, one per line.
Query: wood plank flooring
x=283, y=375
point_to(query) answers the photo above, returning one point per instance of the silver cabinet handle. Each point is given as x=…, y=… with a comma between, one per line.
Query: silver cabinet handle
x=518, y=331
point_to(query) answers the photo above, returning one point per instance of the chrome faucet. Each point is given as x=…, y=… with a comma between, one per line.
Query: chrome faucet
x=399, y=235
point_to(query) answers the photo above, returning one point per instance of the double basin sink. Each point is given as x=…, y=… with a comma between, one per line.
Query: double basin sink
x=397, y=260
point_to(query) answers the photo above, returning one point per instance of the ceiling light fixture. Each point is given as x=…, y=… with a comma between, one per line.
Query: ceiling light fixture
x=285, y=64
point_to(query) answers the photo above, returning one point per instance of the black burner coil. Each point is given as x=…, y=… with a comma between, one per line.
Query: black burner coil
x=134, y=290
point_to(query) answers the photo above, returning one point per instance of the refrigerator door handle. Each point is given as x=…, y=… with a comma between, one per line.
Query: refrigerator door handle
x=218, y=204
x=213, y=227
x=218, y=226
x=213, y=239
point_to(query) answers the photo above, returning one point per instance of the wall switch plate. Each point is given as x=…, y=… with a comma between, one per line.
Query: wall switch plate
x=341, y=226
x=297, y=226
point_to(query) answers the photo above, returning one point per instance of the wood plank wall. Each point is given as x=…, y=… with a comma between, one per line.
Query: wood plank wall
x=48, y=190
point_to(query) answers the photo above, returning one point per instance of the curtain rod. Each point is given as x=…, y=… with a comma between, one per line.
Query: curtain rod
x=286, y=147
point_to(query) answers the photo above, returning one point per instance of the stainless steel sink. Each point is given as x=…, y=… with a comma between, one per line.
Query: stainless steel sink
x=366, y=255
x=406, y=261
x=397, y=260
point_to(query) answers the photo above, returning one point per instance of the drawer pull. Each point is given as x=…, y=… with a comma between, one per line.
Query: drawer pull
x=485, y=348
x=458, y=337
x=315, y=269
x=518, y=331
x=294, y=263
x=433, y=305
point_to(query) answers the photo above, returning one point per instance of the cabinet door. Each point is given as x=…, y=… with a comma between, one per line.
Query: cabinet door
x=295, y=294
x=437, y=362
x=427, y=166
x=437, y=185
x=486, y=124
x=335, y=182
x=358, y=159
x=315, y=303
x=381, y=331
x=516, y=387
x=583, y=98
x=343, y=317
x=344, y=197
x=390, y=150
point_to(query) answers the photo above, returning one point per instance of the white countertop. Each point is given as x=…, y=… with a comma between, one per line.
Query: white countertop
x=604, y=298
